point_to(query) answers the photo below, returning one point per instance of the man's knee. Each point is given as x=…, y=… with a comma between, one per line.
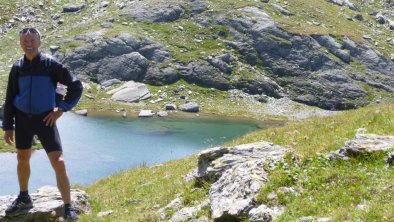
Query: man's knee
x=57, y=161
x=23, y=156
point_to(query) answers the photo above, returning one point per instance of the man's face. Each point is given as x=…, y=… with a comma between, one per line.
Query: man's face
x=30, y=42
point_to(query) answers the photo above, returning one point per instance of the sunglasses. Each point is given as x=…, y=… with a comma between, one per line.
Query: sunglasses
x=26, y=31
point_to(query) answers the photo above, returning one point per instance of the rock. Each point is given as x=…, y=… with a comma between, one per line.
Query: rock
x=305, y=219
x=223, y=63
x=336, y=2
x=55, y=16
x=123, y=57
x=82, y=112
x=334, y=47
x=87, y=87
x=237, y=175
x=161, y=76
x=281, y=9
x=260, y=214
x=390, y=159
x=104, y=4
x=187, y=213
x=161, y=12
x=105, y=213
x=363, y=144
x=130, y=92
x=190, y=107
x=175, y=204
x=54, y=48
x=391, y=24
x=380, y=18
x=110, y=82
x=154, y=51
x=359, y=17
x=203, y=74
x=162, y=113
x=145, y=113
x=127, y=67
x=73, y=8
x=170, y=107
x=293, y=59
x=89, y=96
x=48, y=205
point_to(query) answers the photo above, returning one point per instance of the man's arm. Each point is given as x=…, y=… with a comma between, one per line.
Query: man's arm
x=74, y=92
x=9, y=109
x=74, y=87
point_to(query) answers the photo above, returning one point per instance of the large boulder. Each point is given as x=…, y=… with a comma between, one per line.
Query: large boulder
x=73, y=7
x=237, y=175
x=126, y=67
x=130, y=92
x=363, y=144
x=190, y=107
x=48, y=205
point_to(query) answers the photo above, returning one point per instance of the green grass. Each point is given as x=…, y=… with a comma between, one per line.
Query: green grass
x=137, y=194
x=323, y=134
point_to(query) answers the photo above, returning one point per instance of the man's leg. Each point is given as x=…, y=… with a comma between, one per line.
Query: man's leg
x=23, y=202
x=57, y=161
x=23, y=168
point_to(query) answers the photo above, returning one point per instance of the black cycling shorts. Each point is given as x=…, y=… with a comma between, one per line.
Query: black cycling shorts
x=26, y=126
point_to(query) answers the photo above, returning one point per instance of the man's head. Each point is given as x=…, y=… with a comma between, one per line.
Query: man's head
x=30, y=41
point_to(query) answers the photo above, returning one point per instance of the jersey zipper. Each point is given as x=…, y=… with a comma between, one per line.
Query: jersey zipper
x=31, y=91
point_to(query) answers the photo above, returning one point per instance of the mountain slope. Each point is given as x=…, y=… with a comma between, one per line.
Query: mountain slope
x=334, y=55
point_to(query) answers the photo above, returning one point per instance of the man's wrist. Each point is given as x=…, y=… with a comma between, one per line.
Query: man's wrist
x=60, y=109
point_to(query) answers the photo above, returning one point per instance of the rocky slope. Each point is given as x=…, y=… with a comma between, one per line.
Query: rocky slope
x=248, y=46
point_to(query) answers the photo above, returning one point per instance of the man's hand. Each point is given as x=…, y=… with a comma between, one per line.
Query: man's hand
x=9, y=137
x=50, y=119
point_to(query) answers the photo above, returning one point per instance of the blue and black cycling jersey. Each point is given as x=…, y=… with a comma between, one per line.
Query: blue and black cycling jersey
x=32, y=88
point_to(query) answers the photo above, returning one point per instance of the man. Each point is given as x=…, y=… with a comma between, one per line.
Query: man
x=32, y=101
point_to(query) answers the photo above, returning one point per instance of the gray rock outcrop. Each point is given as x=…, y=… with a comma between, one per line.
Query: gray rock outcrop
x=130, y=92
x=302, y=63
x=48, y=205
x=362, y=144
x=123, y=57
x=160, y=11
x=236, y=174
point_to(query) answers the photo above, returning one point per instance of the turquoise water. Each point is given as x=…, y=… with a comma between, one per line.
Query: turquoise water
x=95, y=147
